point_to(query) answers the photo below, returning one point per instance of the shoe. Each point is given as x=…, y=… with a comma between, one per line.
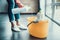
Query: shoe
x=22, y=27
x=16, y=29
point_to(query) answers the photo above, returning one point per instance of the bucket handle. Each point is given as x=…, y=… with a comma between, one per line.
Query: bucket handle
x=32, y=22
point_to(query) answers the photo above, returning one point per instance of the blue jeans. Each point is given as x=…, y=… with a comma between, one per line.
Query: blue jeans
x=11, y=5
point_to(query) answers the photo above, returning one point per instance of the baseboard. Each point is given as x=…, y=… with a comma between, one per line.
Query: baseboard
x=20, y=13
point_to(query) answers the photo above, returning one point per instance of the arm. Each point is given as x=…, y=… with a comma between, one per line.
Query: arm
x=19, y=3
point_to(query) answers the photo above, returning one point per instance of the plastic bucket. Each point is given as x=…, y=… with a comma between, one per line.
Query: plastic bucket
x=39, y=29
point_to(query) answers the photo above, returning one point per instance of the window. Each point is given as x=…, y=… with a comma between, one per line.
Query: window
x=52, y=10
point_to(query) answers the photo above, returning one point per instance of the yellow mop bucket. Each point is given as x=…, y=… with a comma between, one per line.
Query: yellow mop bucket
x=39, y=30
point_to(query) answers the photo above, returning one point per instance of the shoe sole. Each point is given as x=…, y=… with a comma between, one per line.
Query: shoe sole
x=22, y=29
x=14, y=30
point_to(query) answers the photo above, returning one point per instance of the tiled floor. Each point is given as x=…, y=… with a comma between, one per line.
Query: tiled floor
x=7, y=34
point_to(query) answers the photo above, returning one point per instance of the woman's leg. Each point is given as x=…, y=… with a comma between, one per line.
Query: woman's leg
x=11, y=5
x=17, y=18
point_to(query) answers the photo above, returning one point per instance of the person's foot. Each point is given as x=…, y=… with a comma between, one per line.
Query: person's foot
x=20, y=26
x=16, y=29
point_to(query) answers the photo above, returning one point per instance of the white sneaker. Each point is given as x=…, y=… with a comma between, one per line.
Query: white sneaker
x=16, y=29
x=22, y=27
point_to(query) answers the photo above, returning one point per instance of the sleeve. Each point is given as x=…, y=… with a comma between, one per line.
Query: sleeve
x=19, y=3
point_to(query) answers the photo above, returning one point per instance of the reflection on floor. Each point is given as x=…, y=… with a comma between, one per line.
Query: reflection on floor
x=7, y=34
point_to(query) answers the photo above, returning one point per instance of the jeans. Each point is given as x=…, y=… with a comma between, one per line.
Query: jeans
x=11, y=5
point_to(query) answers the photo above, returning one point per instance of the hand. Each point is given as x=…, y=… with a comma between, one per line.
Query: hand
x=21, y=6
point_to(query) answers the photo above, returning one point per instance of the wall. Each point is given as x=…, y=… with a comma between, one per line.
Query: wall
x=3, y=6
x=58, y=0
x=32, y=3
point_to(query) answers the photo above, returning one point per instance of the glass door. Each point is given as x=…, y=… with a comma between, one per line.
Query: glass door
x=52, y=10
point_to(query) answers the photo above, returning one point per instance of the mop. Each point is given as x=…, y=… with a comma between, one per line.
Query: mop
x=39, y=16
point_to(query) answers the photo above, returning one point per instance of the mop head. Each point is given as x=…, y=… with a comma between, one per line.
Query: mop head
x=20, y=10
x=39, y=16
